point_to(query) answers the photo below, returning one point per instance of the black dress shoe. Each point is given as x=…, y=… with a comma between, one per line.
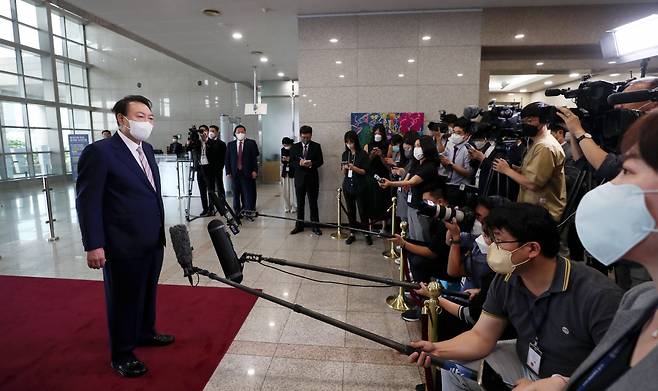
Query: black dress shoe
x=296, y=230
x=350, y=239
x=130, y=368
x=204, y=213
x=317, y=231
x=158, y=340
x=369, y=240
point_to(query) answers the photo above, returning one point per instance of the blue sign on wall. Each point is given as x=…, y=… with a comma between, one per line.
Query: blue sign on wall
x=77, y=142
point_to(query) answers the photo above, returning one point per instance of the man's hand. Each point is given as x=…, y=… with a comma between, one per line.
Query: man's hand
x=501, y=166
x=423, y=290
x=548, y=384
x=474, y=154
x=445, y=162
x=397, y=240
x=385, y=183
x=571, y=121
x=422, y=360
x=472, y=292
x=453, y=228
x=254, y=175
x=96, y=258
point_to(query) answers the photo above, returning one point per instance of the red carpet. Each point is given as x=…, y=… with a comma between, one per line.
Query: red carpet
x=53, y=336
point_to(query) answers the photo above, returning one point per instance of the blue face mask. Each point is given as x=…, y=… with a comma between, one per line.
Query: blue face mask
x=612, y=219
x=396, y=148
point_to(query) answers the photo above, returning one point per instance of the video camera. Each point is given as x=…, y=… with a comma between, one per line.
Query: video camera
x=597, y=116
x=193, y=134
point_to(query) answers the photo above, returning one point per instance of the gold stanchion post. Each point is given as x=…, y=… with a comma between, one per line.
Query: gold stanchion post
x=390, y=253
x=338, y=235
x=432, y=309
x=397, y=302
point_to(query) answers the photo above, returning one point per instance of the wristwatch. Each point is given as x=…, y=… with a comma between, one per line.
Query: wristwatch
x=455, y=241
x=585, y=135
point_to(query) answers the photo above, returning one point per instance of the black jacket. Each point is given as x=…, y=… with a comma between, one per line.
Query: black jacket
x=314, y=154
x=216, y=153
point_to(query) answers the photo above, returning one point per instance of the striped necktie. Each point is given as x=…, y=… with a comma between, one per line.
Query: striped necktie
x=145, y=166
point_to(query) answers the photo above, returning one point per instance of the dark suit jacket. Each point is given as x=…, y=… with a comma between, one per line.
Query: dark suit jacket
x=216, y=153
x=314, y=154
x=249, y=157
x=176, y=148
x=118, y=209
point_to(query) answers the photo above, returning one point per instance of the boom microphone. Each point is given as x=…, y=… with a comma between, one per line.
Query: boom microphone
x=633, y=96
x=228, y=259
x=226, y=211
x=180, y=239
x=554, y=92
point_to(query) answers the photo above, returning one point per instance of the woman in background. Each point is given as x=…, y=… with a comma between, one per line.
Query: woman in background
x=380, y=198
x=355, y=167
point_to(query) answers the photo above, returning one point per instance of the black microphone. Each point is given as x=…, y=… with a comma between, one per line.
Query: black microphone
x=227, y=212
x=633, y=96
x=554, y=92
x=228, y=259
x=180, y=239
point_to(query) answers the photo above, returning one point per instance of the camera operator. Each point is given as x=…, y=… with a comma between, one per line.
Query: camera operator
x=606, y=164
x=205, y=178
x=455, y=160
x=541, y=175
x=560, y=309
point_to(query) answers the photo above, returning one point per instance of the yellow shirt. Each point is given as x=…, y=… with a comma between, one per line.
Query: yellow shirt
x=543, y=165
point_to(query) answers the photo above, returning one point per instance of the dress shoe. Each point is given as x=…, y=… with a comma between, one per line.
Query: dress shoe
x=369, y=240
x=204, y=214
x=130, y=368
x=296, y=230
x=317, y=231
x=158, y=340
x=350, y=239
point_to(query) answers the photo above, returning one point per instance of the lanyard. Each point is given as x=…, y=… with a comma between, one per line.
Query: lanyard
x=538, y=323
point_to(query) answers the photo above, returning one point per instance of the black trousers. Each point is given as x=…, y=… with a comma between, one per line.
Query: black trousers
x=312, y=190
x=210, y=180
x=244, y=192
x=352, y=201
x=130, y=296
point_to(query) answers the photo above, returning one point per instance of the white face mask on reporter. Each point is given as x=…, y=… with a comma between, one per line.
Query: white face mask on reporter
x=240, y=136
x=141, y=130
x=378, y=137
x=612, y=219
x=418, y=153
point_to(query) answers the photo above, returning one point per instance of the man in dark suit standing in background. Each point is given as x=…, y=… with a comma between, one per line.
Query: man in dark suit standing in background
x=175, y=148
x=216, y=157
x=242, y=168
x=121, y=216
x=306, y=158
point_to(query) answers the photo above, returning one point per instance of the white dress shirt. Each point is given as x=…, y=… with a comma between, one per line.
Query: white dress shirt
x=132, y=146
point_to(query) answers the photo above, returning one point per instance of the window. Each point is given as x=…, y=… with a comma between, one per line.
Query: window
x=33, y=139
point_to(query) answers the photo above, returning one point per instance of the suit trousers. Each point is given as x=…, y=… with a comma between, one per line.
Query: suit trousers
x=244, y=192
x=206, y=182
x=130, y=297
x=312, y=189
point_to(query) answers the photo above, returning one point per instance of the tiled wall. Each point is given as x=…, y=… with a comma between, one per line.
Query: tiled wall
x=119, y=63
x=373, y=51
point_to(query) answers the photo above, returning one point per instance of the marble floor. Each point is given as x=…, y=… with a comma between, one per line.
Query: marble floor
x=276, y=349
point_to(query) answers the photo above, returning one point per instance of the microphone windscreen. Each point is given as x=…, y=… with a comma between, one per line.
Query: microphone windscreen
x=629, y=97
x=180, y=240
x=553, y=92
x=228, y=259
x=221, y=208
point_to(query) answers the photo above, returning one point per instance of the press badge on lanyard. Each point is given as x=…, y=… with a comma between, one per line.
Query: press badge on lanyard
x=534, y=356
x=349, y=173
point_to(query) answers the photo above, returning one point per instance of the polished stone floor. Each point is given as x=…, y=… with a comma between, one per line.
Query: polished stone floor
x=276, y=349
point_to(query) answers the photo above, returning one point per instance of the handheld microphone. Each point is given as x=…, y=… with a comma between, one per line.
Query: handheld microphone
x=228, y=259
x=226, y=211
x=180, y=240
x=633, y=96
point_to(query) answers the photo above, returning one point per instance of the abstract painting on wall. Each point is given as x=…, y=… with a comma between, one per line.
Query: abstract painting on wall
x=395, y=123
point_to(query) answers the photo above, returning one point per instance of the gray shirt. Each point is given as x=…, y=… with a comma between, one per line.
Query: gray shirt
x=458, y=154
x=568, y=320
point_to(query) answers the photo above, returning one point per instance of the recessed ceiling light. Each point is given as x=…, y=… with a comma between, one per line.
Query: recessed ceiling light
x=411, y=60
x=134, y=58
x=510, y=93
x=519, y=36
x=540, y=63
x=212, y=12
x=251, y=371
x=523, y=90
x=333, y=40
x=426, y=38
x=612, y=62
x=341, y=76
x=304, y=96
x=315, y=104
x=338, y=62
x=548, y=83
x=264, y=59
x=281, y=74
x=574, y=74
x=310, y=101
x=400, y=74
x=237, y=35
x=460, y=74
x=614, y=74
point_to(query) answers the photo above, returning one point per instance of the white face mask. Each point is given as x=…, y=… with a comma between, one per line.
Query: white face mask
x=287, y=147
x=378, y=137
x=212, y=135
x=479, y=144
x=418, y=153
x=612, y=219
x=482, y=245
x=500, y=260
x=240, y=136
x=140, y=130
x=477, y=228
x=456, y=139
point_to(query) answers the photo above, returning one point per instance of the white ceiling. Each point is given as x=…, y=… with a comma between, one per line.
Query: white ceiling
x=179, y=26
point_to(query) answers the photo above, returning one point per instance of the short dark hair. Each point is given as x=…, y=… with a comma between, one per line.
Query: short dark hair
x=214, y=127
x=203, y=126
x=106, y=131
x=351, y=135
x=465, y=124
x=286, y=141
x=410, y=138
x=238, y=127
x=433, y=126
x=494, y=201
x=379, y=127
x=175, y=136
x=396, y=139
x=643, y=134
x=527, y=223
x=305, y=129
x=437, y=192
x=450, y=118
x=121, y=107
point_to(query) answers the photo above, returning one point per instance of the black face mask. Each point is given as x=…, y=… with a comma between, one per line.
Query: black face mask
x=529, y=130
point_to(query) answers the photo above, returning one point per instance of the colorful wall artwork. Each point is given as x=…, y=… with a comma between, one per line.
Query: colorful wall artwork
x=395, y=123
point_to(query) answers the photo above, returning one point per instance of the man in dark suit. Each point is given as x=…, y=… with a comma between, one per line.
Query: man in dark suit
x=216, y=157
x=175, y=148
x=306, y=158
x=242, y=168
x=121, y=216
